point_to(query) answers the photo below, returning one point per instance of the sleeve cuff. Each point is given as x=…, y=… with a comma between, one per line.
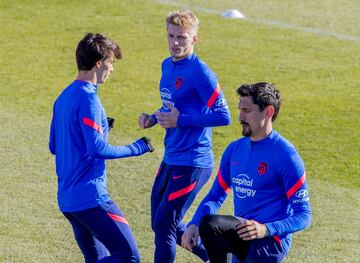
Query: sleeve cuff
x=271, y=229
x=154, y=117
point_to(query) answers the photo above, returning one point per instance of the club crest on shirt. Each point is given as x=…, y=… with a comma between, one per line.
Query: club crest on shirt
x=262, y=168
x=178, y=82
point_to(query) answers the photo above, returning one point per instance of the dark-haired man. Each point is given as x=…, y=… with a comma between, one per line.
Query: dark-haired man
x=267, y=176
x=79, y=140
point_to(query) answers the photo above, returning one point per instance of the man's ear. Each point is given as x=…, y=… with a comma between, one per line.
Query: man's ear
x=194, y=39
x=270, y=110
x=98, y=64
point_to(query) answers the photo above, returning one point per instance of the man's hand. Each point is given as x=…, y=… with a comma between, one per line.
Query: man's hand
x=190, y=238
x=168, y=119
x=146, y=121
x=251, y=229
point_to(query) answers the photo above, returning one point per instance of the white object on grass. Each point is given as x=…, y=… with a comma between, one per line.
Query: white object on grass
x=232, y=13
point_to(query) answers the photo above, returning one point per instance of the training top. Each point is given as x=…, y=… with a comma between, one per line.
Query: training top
x=79, y=139
x=193, y=88
x=268, y=180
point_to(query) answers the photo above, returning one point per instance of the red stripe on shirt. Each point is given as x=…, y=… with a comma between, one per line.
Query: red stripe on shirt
x=296, y=186
x=222, y=183
x=118, y=218
x=214, y=96
x=277, y=239
x=93, y=125
x=182, y=192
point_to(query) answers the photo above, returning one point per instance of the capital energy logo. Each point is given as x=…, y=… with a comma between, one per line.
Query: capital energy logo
x=243, y=186
x=165, y=94
x=166, y=98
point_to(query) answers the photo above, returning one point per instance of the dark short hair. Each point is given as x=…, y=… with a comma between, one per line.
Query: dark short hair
x=263, y=94
x=94, y=47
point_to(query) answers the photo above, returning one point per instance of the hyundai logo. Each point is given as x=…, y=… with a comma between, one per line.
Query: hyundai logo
x=302, y=193
x=220, y=102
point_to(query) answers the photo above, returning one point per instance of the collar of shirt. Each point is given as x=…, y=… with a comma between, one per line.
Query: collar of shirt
x=90, y=86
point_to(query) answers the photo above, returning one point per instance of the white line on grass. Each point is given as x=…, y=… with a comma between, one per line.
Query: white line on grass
x=315, y=30
x=273, y=23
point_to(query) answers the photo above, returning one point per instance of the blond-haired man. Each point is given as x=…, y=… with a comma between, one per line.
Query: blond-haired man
x=192, y=103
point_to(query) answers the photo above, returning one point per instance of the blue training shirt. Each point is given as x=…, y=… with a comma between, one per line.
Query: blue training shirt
x=268, y=180
x=79, y=139
x=193, y=88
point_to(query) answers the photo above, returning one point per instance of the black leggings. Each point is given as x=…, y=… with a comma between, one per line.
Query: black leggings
x=220, y=237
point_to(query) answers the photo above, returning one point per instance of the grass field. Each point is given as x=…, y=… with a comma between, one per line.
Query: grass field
x=310, y=50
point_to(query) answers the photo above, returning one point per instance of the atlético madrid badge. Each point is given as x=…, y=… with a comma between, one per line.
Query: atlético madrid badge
x=262, y=168
x=178, y=83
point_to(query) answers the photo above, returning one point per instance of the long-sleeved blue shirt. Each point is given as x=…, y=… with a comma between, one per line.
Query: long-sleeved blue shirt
x=79, y=140
x=192, y=87
x=268, y=180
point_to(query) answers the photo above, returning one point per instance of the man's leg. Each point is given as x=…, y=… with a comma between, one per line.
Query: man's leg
x=219, y=237
x=158, y=189
x=91, y=248
x=183, y=184
x=265, y=250
x=108, y=224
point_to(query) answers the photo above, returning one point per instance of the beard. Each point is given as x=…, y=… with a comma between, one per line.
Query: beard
x=246, y=131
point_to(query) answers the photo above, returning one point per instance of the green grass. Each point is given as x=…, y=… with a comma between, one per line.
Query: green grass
x=338, y=17
x=317, y=75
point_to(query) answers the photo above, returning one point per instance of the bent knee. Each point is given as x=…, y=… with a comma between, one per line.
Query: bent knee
x=206, y=224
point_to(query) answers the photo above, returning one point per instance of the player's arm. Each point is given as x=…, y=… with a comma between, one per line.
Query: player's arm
x=218, y=114
x=212, y=97
x=52, y=136
x=295, y=183
x=210, y=204
x=90, y=122
x=208, y=88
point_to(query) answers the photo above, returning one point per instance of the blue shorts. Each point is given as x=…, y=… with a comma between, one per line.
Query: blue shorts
x=103, y=234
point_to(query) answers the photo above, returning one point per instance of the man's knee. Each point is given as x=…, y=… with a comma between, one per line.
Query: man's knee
x=159, y=225
x=206, y=227
x=216, y=225
x=162, y=222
